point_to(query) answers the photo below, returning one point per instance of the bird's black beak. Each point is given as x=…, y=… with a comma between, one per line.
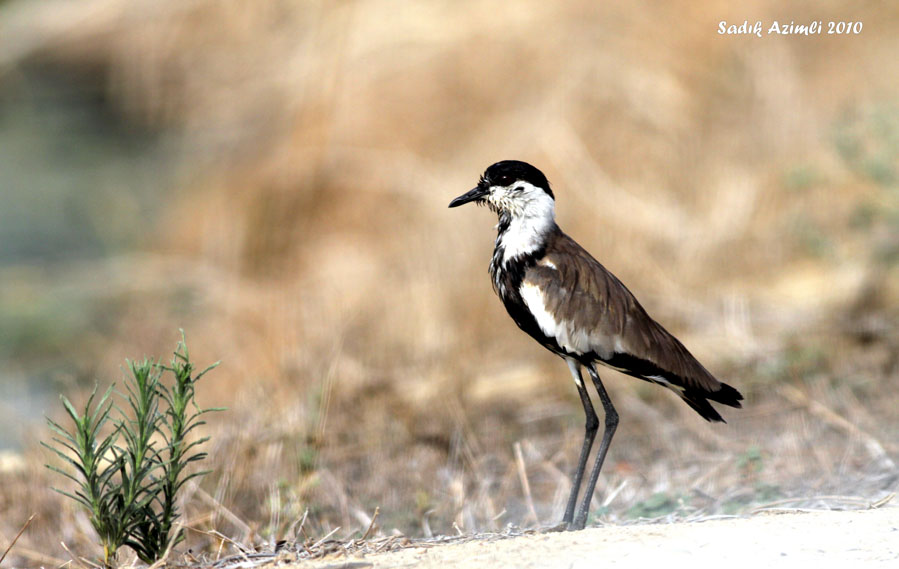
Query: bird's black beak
x=470, y=196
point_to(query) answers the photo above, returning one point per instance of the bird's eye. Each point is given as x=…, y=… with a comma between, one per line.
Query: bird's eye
x=504, y=180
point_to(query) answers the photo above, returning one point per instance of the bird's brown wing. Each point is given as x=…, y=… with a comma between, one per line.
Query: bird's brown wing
x=592, y=314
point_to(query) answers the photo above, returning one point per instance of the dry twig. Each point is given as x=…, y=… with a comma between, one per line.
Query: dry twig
x=21, y=531
x=874, y=446
x=371, y=526
x=324, y=539
x=853, y=500
x=523, y=476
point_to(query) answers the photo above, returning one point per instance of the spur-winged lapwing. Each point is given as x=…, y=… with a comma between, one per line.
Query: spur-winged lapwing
x=560, y=295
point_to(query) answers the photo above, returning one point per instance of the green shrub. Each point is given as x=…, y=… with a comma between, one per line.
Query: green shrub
x=129, y=464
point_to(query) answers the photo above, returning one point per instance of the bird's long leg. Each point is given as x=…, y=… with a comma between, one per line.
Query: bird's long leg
x=592, y=425
x=611, y=423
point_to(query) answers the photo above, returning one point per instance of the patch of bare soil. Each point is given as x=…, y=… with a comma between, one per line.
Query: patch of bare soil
x=868, y=538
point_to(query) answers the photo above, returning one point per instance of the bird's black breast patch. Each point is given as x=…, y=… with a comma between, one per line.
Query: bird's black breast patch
x=507, y=279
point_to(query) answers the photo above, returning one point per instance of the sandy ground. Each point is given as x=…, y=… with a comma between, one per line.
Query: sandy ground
x=868, y=538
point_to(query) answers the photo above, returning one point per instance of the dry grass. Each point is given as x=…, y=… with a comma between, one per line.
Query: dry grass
x=741, y=187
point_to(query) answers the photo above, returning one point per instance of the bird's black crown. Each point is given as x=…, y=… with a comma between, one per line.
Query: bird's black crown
x=510, y=171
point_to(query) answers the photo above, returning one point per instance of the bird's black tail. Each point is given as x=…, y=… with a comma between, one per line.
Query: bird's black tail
x=699, y=401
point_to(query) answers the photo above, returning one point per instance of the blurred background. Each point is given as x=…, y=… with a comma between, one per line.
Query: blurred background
x=273, y=178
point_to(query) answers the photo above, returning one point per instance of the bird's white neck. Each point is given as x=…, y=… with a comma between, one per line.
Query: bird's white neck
x=524, y=228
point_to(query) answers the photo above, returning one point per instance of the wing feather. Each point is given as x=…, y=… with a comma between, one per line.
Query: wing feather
x=594, y=316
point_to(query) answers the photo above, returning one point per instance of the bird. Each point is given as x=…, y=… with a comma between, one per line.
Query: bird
x=561, y=296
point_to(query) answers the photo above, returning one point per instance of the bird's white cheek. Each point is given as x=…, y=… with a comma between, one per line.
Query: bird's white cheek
x=501, y=199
